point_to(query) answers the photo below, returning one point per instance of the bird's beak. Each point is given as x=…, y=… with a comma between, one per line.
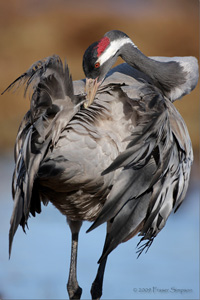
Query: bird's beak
x=91, y=88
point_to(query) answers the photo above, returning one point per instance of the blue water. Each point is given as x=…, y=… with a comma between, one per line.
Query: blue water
x=38, y=268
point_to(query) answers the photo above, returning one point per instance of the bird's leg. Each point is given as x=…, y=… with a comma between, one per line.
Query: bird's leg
x=74, y=290
x=96, y=289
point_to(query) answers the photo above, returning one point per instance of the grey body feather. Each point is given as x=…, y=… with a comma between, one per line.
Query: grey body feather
x=125, y=160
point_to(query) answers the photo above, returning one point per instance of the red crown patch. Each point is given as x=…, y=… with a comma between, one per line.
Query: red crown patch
x=102, y=45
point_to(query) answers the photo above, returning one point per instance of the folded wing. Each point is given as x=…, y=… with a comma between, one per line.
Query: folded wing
x=155, y=169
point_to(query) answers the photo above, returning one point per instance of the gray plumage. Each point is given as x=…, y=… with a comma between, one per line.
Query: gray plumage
x=53, y=105
x=75, y=156
x=124, y=160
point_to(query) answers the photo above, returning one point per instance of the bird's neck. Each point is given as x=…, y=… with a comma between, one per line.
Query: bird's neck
x=165, y=75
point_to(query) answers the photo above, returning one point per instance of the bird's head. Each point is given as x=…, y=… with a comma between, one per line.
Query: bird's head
x=99, y=58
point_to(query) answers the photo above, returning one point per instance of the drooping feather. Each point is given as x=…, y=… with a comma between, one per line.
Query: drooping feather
x=53, y=104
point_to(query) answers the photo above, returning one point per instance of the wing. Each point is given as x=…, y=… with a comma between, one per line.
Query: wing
x=53, y=105
x=155, y=170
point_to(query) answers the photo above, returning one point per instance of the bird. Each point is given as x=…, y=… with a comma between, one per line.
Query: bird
x=110, y=148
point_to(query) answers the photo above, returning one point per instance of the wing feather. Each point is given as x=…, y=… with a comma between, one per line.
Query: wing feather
x=53, y=105
x=151, y=181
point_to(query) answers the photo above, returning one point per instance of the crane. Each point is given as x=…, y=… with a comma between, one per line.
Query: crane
x=111, y=148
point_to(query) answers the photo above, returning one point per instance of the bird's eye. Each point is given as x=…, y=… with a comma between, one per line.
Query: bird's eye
x=97, y=65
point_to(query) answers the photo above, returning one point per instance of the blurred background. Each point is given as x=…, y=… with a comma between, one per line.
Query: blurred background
x=33, y=29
